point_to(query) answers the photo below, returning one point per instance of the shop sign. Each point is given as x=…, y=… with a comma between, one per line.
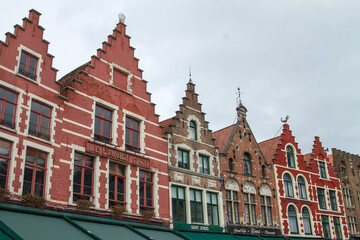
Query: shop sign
x=248, y=230
x=197, y=227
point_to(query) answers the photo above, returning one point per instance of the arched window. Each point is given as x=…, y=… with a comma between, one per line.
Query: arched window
x=302, y=188
x=247, y=164
x=288, y=186
x=290, y=157
x=293, y=224
x=231, y=162
x=193, y=134
x=263, y=173
x=307, y=221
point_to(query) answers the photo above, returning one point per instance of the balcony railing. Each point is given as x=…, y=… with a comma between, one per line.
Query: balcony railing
x=7, y=123
x=39, y=134
x=102, y=138
x=27, y=74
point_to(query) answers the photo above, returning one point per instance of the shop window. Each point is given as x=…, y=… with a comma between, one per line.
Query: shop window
x=103, y=124
x=40, y=117
x=337, y=226
x=178, y=202
x=250, y=208
x=232, y=206
x=8, y=101
x=146, y=190
x=266, y=213
x=28, y=64
x=193, y=131
x=321, y=198
x=247, y=164
x=212, y=208
x=293, y=223
x=333, y=200
x=183, y=159
x=196, y=206
x=325, y=226
x=83, y=177
x=302, y=188
x=5, y=156
x=290, y=157
x=204, y=164
x=306, y=221
x=132, y=138
x=35, y=172
x=288, y=186
x=117, y=182
x=322, y=167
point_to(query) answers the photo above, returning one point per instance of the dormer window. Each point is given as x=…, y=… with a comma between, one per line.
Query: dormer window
x=290, y=157
x=28, y=64
x=322, y=167
x=193, y=134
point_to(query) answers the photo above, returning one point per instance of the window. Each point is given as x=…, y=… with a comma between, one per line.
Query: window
x=212, y=208
x=83, y=177
x=247, y=163
x=34, y=173
x=343, y=170
x=293, y=224
x=232, y=206
x=321, y=198
x=263, y=171
x=193, y=133
x=132, y=135
x=28, y=64
x=231, y=162
x=333, y=201
x=322, y=167
x=337, y=226
x=183, y=159
x=352, y=224
x=266, y=214
x=250, y=206
x=196, y=206
x=8, y=101
x=102, y=124
x=302, y=188
x=358, y=196
x=40, y=116
x=290, y=157
x=348, y=197
x=5, y=156
x=326, y=226
x=178, y=204
x=288, y=186
x=306, y=221
x=204, y=164
x=117, y=182
x=146, y=191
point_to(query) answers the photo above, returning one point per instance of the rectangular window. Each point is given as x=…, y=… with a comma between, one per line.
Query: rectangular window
x=102, y=124
x=352, y=224
x=266, y=213
x=178, y=204
x=326, y=226
x=196, y=206
x=322, y=167
x=250, y=206
x=5, y=156
x=183, y=159
x=333, y=201
x=337, y=226
x=132, y=137
x=28, y=64
x=117, y=181
x=146, y=190
x=34, y=173
x=40, y=116
x=348, y=197
x=343, y=171
x=321, y=198
x=212, y=208
x=83, y=177
x=8, y=101
x=358, y=196
x=204, y=164
x=232, y=206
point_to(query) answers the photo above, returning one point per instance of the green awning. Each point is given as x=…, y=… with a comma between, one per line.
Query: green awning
x=160, y=235
x=273, y=238
x=209, y=236
x=305, y=238
x=247, y=237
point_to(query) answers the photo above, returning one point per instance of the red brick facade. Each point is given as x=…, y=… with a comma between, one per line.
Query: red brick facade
x=309, y=192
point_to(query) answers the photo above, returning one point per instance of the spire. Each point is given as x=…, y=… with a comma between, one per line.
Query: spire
x=190, y=81
x=241, y=109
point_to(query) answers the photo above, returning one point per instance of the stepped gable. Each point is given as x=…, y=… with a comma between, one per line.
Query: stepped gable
x=318, y=152
x=28, y=38
x=268, y=147
x=222, y=137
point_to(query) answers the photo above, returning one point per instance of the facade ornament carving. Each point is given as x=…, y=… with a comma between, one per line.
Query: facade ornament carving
x=265, y=190
x=196, y=181
x=179, y=177
x=212, y=184
x=231, y=184
x=249, y=188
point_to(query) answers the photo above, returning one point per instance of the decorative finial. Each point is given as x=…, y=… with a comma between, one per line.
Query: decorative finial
x=121, y=17
x=238, y=98
x=285, y=120
x=190, y=81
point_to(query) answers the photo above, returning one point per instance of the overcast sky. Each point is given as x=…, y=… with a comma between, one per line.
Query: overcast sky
x=296, y=58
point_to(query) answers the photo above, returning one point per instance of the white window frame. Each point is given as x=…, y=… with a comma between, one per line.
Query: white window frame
x=22, y=48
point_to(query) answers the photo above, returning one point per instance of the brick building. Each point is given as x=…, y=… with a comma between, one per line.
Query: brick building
x=249, y=188
x=196, y=198
x=309, y=192
x=347, y=167
x=91, y=135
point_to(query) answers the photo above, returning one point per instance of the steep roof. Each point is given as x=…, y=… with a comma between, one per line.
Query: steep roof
x=268, y=147
x=222, y=137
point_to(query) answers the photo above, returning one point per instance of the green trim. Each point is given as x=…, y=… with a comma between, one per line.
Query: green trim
x=333, y=201
x=178, y=200
x=204, y=159
x=211, y=204
x=321, y=198
x=322, y=168
x=9, y=232
x=72, y=223
x=196, y=203
x=193, y=127
x=181, y=155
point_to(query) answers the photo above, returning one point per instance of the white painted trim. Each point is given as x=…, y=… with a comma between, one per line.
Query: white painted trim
x=38, y=64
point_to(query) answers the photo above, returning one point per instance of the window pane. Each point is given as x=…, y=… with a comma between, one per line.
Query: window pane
x=38, y=191
x=135, y=124
x=39, y=178
x=30, y=156
x=97, y=124
x=35, y=106
x=98, y=111
x=182, y=211
x=28, y=174
x=5, y=148
x=111, y=183
x=112, y=168
x=107, y=114
x=181, y=193
x=9, y=112
x=88, y=177
x=77, y=175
